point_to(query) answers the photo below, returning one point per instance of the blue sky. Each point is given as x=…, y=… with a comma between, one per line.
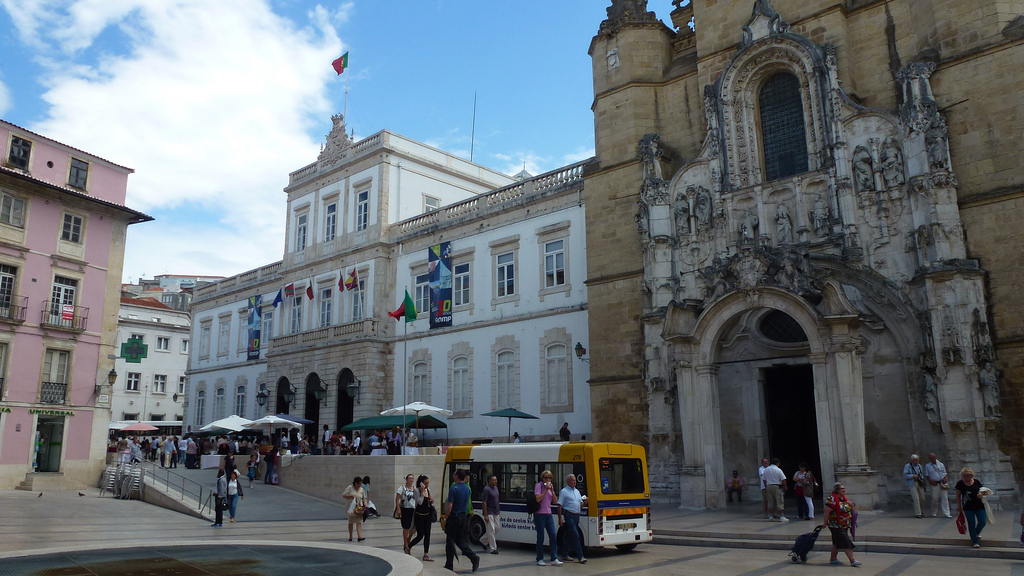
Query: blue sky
x=214, y=103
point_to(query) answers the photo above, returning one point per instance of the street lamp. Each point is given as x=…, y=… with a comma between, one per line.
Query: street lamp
x=320, y=391
x=580, y=352
x=262, y=395
x=353, y=389
x=111, y=377
x=288, y=394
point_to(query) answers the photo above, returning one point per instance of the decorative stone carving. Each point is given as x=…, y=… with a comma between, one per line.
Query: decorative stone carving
x=703, y=209
x=892, y=163
x=863, y=170
x=981, y=341
x=642, y=223
x=612, y=57
x=952, y=342
x=758, y=266
x=936, y=144
x=711, y=116
x=764, y=21
x=988, y=380
x=919, y=107
x=337, y=142
x=682, y=214
x=820, y=216
x=749, y=225
x=930, y=396
x=627, y=12
x=783, y=225
x=650, y=156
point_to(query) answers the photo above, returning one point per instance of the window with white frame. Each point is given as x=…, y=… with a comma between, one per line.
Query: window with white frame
x=223, y=337
x=163, y=343
x=296, y=326
x=200, y=408
x=184, y=345
x=506, y=274
x=160, y=383
x=72, y=229
x=460, y=285
x=128, y=416
x=181, y=384
x=554, y=263
x=8, y=280
x=21, y=151
x=140, y=337
x=362, y=210
x=557, y=375
x=301, y=222
x=505, y=378
x=326, y=303
x=461, y=390
x=78, y=175
x=64, y=290
x=430, y=203
x=204, y=341
x=243, y=332
x=240, y=400
x=267, y=332
x=218, y=404
x=330, y=221
x=420, y=382
x=3, y=367
x=12, y=211
x=422, y=298
x=358, y=297
x=133, y=381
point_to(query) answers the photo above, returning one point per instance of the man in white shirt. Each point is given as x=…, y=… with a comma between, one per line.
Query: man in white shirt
x=764, y=492
x=935, y=473
x=775, y=484
x=182, y=449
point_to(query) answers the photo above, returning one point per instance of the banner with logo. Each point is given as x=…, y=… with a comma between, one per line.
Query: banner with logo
x=439, y=267
x=255, y=325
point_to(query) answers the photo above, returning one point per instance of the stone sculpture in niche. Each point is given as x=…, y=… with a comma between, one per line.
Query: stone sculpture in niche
x=748, y=228
x=892, y=163
x=702, y=209
x=650, y=156
x=820, y=216
x=935, y=143
x=988, y=379
x=981, y=342
x=682, y=215
x=783, y=225
x=863, y=170
x=951, y=341
x=931, y=394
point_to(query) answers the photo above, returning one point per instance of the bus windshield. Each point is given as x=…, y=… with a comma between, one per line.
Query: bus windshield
x=622, y=476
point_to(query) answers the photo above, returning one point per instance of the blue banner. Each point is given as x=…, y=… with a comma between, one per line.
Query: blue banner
x=439, y=262
x=255, y=325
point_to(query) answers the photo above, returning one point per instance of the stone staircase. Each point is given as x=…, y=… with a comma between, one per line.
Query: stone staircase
x=41, y=481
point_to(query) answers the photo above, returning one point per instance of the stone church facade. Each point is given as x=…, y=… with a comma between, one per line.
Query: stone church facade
x=802, y=228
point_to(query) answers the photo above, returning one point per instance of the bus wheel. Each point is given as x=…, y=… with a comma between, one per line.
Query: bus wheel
x=476, y=529
x=625, y=547
x=560, y=537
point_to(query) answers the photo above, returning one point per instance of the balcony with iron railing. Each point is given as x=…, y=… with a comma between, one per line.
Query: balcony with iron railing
x=53, y=393
x=324, y=337
x=13, y=308
x=64, y=316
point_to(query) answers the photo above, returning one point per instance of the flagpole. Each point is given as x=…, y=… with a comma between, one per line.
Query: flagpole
x=472, y=138
x=344, y=111
x=405, y=367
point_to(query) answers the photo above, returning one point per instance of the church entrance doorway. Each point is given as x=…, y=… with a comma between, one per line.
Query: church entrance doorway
x=792, y=424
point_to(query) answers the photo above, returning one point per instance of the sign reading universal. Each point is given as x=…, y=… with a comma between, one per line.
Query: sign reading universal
x=45, y=412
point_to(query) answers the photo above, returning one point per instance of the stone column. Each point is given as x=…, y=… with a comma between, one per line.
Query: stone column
x=825, y=423
x=692, y=478
x=711, y=435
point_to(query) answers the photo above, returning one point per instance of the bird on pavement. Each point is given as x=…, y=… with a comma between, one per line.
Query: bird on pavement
x=80, y=494
x=40, y=495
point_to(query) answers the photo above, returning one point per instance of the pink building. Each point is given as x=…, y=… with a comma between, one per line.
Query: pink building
x=62, y=233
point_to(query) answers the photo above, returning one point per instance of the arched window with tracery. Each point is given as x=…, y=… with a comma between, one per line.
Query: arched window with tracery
x=783, y=133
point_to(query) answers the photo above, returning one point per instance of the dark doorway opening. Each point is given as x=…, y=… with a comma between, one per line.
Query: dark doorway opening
x=346, y=402
x=312, y=412
x=792, y=423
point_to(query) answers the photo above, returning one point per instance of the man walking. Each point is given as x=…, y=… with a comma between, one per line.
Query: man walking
x=570, y=503
x=764, y=490
x=935, y=472
x=456, y=513
x=564, y=432
x=170, y=448
x=913, y=473
x=775, y=486
x=492, y=514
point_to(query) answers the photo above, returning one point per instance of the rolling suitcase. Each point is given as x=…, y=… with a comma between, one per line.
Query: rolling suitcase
x=803, y=545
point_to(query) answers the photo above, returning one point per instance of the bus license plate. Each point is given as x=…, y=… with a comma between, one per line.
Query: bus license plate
x=626, y=526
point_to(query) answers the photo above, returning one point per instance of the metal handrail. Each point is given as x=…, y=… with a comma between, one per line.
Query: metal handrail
x=181, y=485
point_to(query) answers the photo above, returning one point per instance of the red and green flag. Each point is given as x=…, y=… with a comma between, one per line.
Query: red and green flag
x=407, y=309
x=340, y=64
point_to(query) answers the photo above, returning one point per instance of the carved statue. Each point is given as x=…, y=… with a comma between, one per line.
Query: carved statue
x=642, y=224
x=702, y=209
x=783, y=225
x=988, y=379
x=820, y=216
x=337, y=141
x=863, y=170
x=931, y=394
x=892, y=163
x=935, y=143
x=682, y=215
x=788, y=275
x=981, y=342
x=951, y=341
x=748, y=228
x=650, y=156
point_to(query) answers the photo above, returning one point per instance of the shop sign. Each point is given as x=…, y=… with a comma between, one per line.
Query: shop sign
x=44, y=412
x=5, y=410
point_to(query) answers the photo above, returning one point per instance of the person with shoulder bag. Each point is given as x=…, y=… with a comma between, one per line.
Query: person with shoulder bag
x=913, y=474
x=405, y=509
x=357, y=501
x=935, y=473
x=221, y=497
x=426, y=515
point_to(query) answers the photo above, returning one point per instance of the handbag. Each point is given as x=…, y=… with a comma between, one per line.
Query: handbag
x=433, y=514
x=358, y=510
x=961, y=523
x=397, y=514
x=222, y=504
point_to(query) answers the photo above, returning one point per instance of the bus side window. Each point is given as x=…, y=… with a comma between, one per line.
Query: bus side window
x=580, y=470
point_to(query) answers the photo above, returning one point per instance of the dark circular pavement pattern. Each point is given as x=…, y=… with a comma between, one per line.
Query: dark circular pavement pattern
x=201, y=559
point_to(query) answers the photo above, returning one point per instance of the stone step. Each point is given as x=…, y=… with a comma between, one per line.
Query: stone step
x=25, y=485
x=44, y=481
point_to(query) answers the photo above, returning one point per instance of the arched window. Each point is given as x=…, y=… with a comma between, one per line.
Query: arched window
x=506, y=378
x=201, y=408
x=783, y=136
x=460, y=384
x=218, y=404
x=419, y=382
x=557, y=375
x=240, y=401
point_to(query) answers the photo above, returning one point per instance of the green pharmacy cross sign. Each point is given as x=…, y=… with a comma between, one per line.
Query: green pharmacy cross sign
x=134, y=350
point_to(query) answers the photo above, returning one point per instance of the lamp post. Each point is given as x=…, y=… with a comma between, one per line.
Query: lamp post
x=320, y=392
x=262, y=396
x=289, y=395
x=353, y=389
x=580, y=352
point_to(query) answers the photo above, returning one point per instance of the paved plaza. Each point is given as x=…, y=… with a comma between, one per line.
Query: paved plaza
x=280, y=531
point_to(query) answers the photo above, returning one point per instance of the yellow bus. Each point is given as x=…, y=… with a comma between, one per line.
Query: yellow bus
x=613, y=476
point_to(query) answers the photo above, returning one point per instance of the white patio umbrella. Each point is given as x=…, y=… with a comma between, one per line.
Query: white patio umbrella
x=417, y=408
x=233, y=423
x=271, y=422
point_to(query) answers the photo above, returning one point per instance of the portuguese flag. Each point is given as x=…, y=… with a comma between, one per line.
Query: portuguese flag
x=340, y=64
x=407, y=309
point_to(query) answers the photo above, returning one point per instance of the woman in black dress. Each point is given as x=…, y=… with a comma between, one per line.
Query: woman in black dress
x=970, y=504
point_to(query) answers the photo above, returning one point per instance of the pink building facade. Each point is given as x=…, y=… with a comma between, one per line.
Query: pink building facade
x=62, y=232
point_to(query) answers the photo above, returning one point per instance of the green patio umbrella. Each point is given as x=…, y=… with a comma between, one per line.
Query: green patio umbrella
x=511, y=413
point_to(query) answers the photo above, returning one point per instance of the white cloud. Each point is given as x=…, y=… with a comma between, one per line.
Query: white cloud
x=5, y=99
x=210, y=102
x=579, y=155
